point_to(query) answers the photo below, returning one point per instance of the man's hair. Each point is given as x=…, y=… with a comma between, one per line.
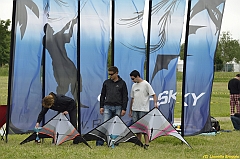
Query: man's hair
x=237, y=75
x=48, y=101
x=113, y=68
x=135, y=73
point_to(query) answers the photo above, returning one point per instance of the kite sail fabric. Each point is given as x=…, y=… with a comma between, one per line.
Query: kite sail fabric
x=154, y=124
x=166, y=30
x=129, y=44
x=204, y=28
x=94, y=44
x=111, y=130
x=60, y=129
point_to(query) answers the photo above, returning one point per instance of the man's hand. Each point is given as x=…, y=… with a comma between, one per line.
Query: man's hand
x=65, y=112
x=37, y=125
x=130, y=113
x=123, y=112
x=101, y=110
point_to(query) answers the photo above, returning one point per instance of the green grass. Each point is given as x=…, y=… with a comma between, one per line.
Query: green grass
x=224, y=143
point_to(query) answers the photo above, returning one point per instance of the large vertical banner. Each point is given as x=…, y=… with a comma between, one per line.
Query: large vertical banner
x=129, y=53
x=60, y=44
x=204, y=28
x=26, y=82
x=42, y=26
x=94, y=44
x=166, y=30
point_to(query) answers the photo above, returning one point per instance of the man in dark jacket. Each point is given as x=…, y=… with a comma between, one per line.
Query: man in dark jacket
x=114, y=97
x=62, y=104
x=234, y=89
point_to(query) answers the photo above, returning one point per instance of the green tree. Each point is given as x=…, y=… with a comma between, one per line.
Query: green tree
x=182, y=51
x=228, y=49
x=5, y=40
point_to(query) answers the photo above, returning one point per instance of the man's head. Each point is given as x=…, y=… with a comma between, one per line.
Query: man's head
x=238, y=76
x=113, y=72
x=135, y=76
x=48, y=101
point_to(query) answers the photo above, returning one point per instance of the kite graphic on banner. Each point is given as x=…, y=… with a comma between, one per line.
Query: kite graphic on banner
x=204, y=29
x=26, y=91
x=166, y=30
x=154, y=124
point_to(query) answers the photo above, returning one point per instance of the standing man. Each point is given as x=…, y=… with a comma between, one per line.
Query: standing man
x=139, y=106
x=114, y=97
x=234, y=89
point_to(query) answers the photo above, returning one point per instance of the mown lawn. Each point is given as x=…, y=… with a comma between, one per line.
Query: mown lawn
x=223, y=145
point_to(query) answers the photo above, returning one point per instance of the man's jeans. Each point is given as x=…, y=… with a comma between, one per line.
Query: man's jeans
x=109, y=112
x=136, y=115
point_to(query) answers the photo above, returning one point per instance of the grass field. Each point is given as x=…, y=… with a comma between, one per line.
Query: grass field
x=223, y=145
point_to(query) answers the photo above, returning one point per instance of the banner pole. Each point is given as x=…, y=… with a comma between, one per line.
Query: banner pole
x=184, y=64
x=148, y=40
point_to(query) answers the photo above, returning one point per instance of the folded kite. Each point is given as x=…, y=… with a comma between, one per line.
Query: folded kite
x=154, y=124
x=113, y=131
x=59, y=128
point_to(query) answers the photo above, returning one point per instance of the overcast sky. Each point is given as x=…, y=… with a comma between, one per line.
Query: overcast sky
x=230, y=22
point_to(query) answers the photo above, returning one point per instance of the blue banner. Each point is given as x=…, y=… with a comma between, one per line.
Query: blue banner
x=204, y=28
x=129, y=52
x=26, y=92
x=60, y=44
x=94, y=44
x=166, y=30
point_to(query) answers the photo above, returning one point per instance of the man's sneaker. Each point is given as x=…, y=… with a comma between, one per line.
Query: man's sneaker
x=145, y=147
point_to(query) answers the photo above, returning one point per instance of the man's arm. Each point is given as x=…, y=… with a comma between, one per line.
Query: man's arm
x=41, y=115
x=124, y=96
x=102, y=98
x=155, y=101
x=130, y=109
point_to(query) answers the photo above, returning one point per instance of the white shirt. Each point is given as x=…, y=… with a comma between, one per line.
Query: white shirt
x=140, y=92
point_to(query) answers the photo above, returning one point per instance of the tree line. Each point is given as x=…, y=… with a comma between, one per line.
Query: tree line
x=228, y=49
x=5, y=41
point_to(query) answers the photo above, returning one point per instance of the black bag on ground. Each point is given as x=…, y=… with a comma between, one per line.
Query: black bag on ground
x=215, y=124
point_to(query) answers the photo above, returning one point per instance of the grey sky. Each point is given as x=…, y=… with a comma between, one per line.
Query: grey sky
x=230, y=22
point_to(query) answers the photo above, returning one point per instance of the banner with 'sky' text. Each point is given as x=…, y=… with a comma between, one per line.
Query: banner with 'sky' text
x=204, y=28
x=166, y=31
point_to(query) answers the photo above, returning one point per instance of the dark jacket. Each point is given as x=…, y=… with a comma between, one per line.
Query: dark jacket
x=234, y=86
x=61, y=103
x=114, y=93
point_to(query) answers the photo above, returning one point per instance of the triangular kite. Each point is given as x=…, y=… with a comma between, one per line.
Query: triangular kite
x=154, y=124
x=59, y=128
x=113, y=131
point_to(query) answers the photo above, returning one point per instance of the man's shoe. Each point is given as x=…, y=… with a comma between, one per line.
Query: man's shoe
x=145, y=147
x=75, y=140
